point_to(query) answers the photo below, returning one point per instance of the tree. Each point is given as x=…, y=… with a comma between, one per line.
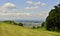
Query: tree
x=42, y=25
x=53, y=20
x=20, y=24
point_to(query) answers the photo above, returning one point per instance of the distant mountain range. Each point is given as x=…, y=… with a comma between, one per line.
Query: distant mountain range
x=35, y=21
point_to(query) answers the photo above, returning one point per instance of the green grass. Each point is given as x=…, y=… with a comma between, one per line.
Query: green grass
x=15, y=30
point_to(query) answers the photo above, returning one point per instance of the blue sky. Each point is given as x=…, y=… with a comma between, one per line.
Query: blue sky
x=26, y=9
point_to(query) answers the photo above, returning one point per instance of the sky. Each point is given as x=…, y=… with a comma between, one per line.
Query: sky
x=26, y=9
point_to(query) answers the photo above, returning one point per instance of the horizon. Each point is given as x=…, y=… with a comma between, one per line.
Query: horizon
x=26, y=9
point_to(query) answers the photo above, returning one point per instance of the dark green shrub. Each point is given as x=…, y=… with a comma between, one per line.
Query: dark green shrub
x=42, y=25
x=38, y=26
x=20, y=24
x=33, y=27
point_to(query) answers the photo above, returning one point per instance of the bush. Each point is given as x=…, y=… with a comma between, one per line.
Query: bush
x=20, y=24
x=42, y=25
x=33, y=27
x=8, y=21
x=38, y=26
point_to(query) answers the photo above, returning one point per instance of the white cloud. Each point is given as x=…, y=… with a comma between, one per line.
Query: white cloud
x=43, y=14
x=20, y=15
x=43, y=4
x=6, y=13
x=36, y=3
x=29, y=2
x=14, y=14
x=32, y=7
x=9, y=5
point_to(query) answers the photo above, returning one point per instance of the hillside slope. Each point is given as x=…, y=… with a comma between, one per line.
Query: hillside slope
x=14, y=30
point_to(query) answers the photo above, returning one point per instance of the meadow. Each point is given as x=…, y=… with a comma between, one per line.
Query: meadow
x=7, y=29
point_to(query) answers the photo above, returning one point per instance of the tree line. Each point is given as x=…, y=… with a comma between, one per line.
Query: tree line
x=13, y=22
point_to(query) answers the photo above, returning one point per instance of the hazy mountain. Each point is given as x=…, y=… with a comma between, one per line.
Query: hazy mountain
x=35, y=21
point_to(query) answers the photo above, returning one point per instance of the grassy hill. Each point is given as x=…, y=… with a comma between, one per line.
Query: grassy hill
x=14, y=30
